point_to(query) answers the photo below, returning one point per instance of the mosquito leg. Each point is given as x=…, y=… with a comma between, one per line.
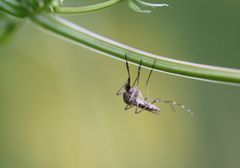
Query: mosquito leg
x=173, y=103
x=149, y=78
x=136, y=110
x=138, y=75
x=128, y=107
x=121, y=90
x=127, y=66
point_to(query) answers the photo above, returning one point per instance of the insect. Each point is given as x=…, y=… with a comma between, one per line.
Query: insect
x=132, y=95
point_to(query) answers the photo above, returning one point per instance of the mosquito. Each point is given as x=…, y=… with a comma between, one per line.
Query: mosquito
x=132, y=95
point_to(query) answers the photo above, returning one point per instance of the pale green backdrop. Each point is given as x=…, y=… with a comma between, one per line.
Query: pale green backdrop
x=58, y=107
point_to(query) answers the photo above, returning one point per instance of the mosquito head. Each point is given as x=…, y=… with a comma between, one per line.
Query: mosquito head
x=127, y=85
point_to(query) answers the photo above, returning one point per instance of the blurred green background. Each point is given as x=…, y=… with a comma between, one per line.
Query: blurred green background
x=58, y=107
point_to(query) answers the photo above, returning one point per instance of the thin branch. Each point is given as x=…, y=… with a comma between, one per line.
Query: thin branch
x=84, y=9
x=117, y=50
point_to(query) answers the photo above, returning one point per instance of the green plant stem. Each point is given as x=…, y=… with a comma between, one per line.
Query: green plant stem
x=99, y=43
x=84, y=9
x=116, y=50
x=80, y=35
x=10, y=9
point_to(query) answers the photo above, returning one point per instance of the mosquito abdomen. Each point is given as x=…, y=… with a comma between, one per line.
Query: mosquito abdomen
x=143, y=104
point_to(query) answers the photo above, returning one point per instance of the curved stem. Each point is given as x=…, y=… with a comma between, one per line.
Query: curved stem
x=84, y=9
x=102, y=44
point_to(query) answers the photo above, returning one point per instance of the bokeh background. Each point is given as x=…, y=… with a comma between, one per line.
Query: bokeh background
x=58, y=107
